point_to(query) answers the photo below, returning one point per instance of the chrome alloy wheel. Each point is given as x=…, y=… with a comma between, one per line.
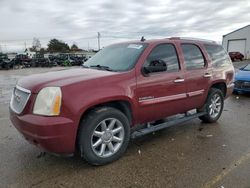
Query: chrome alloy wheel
x=215, y=106
x=107, y=137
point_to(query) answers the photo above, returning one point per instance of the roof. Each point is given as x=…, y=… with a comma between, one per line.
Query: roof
x=182, y=39
x=236, y=30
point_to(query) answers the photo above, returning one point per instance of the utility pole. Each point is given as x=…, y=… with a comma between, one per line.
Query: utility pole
x=25, y=47
x=98, y=37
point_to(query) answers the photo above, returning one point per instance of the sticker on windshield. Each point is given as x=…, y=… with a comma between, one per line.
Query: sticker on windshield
x=135, y=46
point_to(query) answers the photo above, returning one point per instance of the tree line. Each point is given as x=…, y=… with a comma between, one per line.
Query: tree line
x=54, y=45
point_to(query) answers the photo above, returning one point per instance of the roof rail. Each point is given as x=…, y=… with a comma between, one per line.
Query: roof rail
x=191, y=38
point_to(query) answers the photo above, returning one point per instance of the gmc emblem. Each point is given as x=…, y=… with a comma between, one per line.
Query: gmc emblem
x=17, y=98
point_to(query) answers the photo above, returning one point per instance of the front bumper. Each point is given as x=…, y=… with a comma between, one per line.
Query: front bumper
x=52, y=134
x=242, y=90
x=241, y=87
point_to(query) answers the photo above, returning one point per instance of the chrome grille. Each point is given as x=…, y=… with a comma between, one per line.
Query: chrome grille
x=242, y=84
x=19, y=99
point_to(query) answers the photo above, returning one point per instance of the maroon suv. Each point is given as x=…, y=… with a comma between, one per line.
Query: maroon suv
x=236, y=56
x=124, y=89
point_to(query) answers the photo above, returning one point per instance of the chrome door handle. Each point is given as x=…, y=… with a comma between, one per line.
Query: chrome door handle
x=207, y=75
x=179, y=80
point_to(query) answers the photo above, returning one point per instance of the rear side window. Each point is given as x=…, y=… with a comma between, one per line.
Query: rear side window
x=192, y=56
x=218, y=55
x=166, y=53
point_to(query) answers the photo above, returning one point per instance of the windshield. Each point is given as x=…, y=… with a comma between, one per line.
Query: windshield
x=247, y=68
x=118, y=57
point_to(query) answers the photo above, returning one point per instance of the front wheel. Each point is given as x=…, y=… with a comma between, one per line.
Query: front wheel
x=213, y=106
x=103, y=136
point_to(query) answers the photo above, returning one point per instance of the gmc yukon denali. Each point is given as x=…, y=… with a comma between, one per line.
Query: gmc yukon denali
x=124, y=91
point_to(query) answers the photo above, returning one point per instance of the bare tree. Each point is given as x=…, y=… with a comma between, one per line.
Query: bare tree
x=36, y=44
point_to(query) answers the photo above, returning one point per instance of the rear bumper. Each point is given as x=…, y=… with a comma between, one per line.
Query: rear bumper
x=52, y=134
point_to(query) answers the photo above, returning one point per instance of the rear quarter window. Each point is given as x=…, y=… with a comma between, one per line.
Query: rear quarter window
x=218, y=55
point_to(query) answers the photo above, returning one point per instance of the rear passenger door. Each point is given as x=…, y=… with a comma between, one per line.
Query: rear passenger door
x=197, y=75
x=161, y=94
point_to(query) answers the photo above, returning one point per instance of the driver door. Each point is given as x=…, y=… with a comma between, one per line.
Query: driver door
x=163, y=92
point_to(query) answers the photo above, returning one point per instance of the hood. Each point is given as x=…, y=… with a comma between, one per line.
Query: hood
x=243, y=75
x=61, y=78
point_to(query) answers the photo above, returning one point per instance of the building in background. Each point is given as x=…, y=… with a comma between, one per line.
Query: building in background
x=238, y=41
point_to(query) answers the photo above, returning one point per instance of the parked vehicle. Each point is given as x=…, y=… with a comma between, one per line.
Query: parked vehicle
x=52, y=60
x=76, y=60
x=5, y=62
x=126, y=90
x=22, y=60
x=236, y=56
x=60, y=59
x=242, y=80
x=38, y=60
x=70, y=59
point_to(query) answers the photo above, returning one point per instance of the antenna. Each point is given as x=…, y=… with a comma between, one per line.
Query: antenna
x=98, y=37
x=142, y=39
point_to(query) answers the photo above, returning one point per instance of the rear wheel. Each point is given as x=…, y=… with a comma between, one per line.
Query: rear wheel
x=103, y=136
x=213, y=106
x=7, y=66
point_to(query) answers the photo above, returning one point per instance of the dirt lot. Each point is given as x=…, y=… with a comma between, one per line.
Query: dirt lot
x=193, y=154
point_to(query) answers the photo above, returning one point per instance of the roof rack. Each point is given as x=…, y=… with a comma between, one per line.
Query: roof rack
x=191, y=38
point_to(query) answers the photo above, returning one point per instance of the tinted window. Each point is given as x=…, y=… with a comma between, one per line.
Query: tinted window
x=166, y=53
x=218, y=55
x=192, y=56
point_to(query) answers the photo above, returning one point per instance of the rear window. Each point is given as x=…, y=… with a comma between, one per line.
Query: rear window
x=193, y=57
x=218, y=55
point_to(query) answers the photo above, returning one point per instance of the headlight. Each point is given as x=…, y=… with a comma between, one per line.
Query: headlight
x=48, y=101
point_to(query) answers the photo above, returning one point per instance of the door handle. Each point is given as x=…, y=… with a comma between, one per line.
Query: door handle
x=207, y=75
x=179, y=80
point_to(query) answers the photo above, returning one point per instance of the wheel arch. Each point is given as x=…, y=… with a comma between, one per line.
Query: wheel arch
x=221, y=86
x=123, y=105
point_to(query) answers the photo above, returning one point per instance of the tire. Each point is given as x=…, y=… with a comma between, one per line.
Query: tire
x=213, y=106
x=104, y=146
x=7, y=67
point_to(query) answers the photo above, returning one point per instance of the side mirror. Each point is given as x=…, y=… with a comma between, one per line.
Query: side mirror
x=155, y=66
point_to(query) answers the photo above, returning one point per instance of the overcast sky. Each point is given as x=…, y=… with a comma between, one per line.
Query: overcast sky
x=78, y=21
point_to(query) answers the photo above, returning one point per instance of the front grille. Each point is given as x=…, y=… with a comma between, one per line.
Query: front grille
x=239, y=84
x=19, y=99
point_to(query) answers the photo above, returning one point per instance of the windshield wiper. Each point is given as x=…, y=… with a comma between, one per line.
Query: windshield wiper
x=102, y=67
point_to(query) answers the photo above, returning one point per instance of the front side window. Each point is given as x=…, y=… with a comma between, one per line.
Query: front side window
x=166, y=54
x=193, y=57
x=117, y=57
x=218, y=55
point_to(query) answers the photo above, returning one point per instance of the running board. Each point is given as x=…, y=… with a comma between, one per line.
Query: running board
x=153, y=128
